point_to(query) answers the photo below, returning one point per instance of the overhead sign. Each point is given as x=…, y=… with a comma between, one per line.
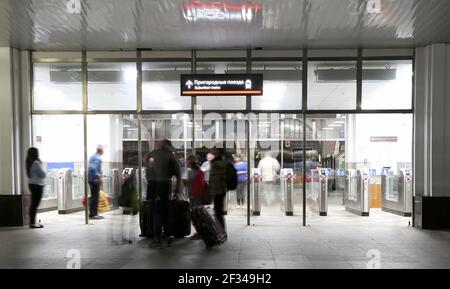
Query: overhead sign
x=216, y=11
x=222, y=84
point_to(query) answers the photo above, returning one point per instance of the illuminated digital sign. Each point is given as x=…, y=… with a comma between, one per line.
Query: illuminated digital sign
x=222, y=84
x=217, y=11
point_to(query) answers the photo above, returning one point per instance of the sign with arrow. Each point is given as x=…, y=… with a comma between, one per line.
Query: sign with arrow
x=221, y=84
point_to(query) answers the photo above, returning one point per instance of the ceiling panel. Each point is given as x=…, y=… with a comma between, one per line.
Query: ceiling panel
x=185, y=24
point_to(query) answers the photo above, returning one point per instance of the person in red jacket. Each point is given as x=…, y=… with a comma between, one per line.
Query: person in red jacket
x=195, y=184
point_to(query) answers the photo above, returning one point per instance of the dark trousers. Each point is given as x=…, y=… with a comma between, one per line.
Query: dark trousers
x=219, y=205
x=95, y=195
x=240, y=190
x=158, y=193
x=36, y=197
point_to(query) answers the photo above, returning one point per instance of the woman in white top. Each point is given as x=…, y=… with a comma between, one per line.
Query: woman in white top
x=36, y=183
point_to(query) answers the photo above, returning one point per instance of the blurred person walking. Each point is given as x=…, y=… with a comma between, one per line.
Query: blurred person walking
x=197, y=187
x=218, y=184
x=95, y=175
x=206, y=166
x=36, y=183
x=161, y=166
x=241, y=168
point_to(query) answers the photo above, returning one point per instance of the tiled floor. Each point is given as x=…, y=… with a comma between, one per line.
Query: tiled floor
x=341, y=240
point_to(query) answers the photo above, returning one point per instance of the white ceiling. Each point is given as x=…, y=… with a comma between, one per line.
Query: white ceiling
x=185, y=24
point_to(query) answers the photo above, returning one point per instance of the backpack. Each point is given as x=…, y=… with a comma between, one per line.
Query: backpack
x=199, y=188
x=231, y=177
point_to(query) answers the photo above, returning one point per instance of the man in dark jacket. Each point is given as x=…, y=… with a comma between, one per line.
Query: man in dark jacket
x=218, y=184
x=161, y=166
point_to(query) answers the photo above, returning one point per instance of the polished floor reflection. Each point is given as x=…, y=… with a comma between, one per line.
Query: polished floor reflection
x=341, y=240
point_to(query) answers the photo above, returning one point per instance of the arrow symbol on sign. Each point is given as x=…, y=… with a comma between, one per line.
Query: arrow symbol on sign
x=189, y=84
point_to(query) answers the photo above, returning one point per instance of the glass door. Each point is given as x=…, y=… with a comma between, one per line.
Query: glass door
x=176, y=128
x=227, y=131
x=276, y=167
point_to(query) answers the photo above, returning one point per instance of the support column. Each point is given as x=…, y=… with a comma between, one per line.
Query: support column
x=432, y=137
x=6, y=123
x=15, y=138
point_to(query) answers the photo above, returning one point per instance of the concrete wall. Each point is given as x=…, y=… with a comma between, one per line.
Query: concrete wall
x=432, y=121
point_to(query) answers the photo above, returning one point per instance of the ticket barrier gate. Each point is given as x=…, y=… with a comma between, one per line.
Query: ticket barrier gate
x=128, y=171
x=70, y=191
x=357, y=197
x=397, y=192
x=317, y=188
x=50, y=198
x=287, y=189
x=115, y=185
x=256, y=192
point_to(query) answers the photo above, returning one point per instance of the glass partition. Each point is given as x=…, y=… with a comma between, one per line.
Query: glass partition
x=57, y=86
x=276, y=164
x=161, y=86
x=59, y=139
x=112, y=86
x=387, y=84
x=111, y=131
x=282, y=86
x=177, y=128
x=359, y=163
x=332, y=85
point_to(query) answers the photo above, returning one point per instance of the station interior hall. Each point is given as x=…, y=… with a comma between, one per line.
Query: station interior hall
x=345, y=146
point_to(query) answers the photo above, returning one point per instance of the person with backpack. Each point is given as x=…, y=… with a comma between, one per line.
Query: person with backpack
x=218, y=185
x=222, y=178
x=161, y=166
x=196, y=186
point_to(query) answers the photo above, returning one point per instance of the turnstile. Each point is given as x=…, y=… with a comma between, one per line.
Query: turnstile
x=144, y=183
x=50, y=197
x=397, y=192
x=287, y=189
x=317, y=188
x=70, y=191
x=357, y=197
x=256, y=192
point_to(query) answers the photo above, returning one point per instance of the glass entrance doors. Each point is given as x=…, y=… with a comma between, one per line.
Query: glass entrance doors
x=276, y=164
x=359, y=164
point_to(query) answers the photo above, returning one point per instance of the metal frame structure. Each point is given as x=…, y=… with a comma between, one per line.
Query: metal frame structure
x=304, y=58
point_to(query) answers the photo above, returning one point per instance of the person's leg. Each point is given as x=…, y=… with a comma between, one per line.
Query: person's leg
x=195, y=203
x=95, y=194
x=157, y=228
x=242, y=188
x=238, y=194
x=34, y=203
x=244, y=192
x=219, y=202
x=166, y=190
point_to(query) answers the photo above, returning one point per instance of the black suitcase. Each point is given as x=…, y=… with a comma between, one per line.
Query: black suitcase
x=179, y=219
x=146, y=220
x=208, y=227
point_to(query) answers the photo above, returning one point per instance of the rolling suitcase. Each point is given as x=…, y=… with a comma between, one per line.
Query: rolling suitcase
x=208, y=227
x=146, y=220
x=179, y=219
